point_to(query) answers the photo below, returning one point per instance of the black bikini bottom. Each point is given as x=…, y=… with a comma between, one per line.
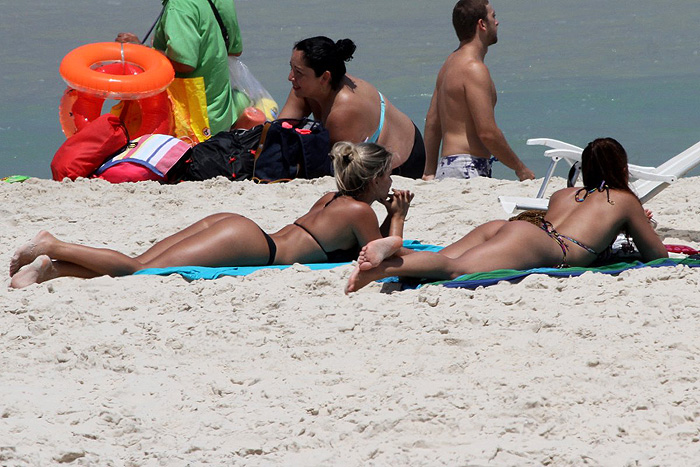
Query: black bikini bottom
x=272, y=247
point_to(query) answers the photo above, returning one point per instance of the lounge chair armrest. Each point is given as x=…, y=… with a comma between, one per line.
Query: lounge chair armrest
x=642, y=168
x=511, y=204
x=569, y=155
x=641, y=174
x=553, y=143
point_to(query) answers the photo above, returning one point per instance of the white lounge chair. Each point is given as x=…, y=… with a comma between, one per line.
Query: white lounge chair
x=648, y=181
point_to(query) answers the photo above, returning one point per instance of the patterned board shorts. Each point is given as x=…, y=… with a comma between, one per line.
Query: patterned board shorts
x=463, y=166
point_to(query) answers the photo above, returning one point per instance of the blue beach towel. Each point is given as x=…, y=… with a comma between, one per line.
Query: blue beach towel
x=200, y=272
x=467, y=281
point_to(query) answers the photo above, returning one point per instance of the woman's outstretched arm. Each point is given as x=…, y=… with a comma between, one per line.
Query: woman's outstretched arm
x=640, y=228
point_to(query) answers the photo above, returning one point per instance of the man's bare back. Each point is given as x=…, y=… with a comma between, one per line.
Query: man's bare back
x=459, y=135
x=461, y=114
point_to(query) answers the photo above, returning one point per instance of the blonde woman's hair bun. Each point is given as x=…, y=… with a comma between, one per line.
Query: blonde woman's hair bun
x=344, y=151
x=356, y=164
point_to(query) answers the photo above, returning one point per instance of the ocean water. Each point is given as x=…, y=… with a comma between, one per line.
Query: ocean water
x=564, y=69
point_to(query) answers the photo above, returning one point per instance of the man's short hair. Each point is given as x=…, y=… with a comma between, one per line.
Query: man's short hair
x=465, y=16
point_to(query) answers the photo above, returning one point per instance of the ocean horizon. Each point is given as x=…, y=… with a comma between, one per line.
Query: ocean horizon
x=567, y=70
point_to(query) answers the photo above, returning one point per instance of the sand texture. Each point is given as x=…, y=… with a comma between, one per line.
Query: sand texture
x=281, y=368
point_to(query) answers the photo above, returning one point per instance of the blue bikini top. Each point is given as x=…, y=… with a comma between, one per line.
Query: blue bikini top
x=375, y=137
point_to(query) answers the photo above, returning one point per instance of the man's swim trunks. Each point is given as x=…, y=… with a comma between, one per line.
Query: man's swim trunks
x=463, y=166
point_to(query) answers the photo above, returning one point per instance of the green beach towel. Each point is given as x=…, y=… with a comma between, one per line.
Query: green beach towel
x=468, y=281
x=484, y=279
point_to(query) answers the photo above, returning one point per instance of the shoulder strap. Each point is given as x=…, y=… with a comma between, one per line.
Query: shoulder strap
x=224, y=31
x=261, y=144
x=162, y=10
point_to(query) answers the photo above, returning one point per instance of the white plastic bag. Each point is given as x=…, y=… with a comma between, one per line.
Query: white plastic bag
x=243, y=80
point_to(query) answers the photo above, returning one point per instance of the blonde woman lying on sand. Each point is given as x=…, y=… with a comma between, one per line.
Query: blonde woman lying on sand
x=580, y=224
x=334, y=230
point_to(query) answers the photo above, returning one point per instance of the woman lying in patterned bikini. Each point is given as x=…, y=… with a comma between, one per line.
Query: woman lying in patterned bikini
x=580, y=223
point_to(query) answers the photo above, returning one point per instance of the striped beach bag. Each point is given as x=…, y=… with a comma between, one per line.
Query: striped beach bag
x=148, y=157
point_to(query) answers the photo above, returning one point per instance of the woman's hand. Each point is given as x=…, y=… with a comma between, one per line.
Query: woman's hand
x=650, y=217
x=398, y=202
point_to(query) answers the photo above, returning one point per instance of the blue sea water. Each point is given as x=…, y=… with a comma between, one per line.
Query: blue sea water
x=564, y=69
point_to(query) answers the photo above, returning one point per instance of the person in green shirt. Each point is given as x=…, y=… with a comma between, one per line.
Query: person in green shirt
x=189, y=34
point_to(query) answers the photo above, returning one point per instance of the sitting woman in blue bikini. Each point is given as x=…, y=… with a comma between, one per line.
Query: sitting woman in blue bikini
x=334, y=230
x=579, y=225
x=350, y=108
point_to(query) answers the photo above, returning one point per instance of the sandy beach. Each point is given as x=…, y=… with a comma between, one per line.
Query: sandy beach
x=282, y=368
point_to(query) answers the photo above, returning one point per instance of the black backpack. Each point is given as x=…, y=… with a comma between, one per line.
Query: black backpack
x=275, y=151
x=293, y=149
x=228, y=153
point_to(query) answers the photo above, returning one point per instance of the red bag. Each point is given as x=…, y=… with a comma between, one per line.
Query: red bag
x=81, y=154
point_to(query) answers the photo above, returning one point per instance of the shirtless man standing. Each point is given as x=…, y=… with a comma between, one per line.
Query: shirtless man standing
x=461, y=112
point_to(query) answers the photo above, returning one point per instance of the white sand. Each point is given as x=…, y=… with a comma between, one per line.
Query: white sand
x=281, y=368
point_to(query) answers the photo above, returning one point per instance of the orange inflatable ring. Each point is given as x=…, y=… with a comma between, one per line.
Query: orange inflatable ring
x=110, y=70
x=79, y=70
x=145, y=116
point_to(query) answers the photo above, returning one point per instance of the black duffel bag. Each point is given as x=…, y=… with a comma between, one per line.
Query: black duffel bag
x=275, y=151
x=292, y=149
x=228, y=153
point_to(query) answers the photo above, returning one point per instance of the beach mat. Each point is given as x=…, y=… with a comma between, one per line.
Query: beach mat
x=484, y=279
x=200, y=272
x=467, y=281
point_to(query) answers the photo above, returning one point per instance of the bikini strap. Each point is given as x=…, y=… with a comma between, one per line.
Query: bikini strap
x=576, y=242
x=549, y=228
x=312, y=236
x=559, y=238
x=603, y=186
x=335, y=196
x=382, y=108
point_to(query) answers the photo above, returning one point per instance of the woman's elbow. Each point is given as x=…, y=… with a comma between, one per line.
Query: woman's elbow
x=657, y=253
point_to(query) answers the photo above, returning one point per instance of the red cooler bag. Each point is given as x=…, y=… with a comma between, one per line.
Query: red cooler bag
x=84, y=152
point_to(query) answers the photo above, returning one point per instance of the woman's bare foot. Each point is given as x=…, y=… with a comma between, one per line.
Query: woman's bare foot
x=357, y=280
x=377, y=251
x=36, y=272
x=29, y=251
